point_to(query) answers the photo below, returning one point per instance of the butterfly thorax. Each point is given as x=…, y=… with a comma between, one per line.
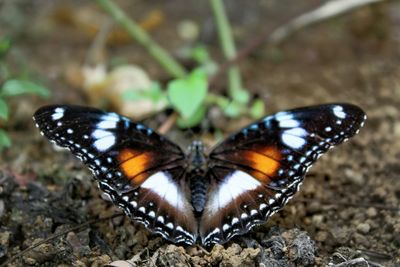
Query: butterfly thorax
x=196, y=173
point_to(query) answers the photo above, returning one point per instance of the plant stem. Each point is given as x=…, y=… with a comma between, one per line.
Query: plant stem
x=228, y=47
x=136, y=32
x=218, y=100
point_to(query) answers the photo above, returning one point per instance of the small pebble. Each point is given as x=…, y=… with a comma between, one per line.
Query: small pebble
x=314, y=207
x=363, y=228
x=317, y=220
x=354, y=177
x=188, y=30
x=371, y=212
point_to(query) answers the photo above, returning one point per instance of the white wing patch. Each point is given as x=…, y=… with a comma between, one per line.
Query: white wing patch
x=161, y=184
x=234, y=185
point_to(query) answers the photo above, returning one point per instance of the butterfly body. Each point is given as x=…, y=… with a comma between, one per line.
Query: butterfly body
x=194, y=196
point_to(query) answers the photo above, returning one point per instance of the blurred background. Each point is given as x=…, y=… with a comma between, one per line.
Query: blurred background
x=172, y=66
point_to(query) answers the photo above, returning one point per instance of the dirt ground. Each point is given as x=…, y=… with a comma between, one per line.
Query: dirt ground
x=347, y=208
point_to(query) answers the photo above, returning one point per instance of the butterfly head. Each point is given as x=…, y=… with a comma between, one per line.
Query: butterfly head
x=196, y=154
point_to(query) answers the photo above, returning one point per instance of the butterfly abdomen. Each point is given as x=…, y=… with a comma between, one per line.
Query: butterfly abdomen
x=198, y=190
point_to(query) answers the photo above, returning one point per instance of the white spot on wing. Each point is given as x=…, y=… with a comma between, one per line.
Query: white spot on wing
x=160, y=219
x=296, y=131
x=58, y=114
x=283, y=115
x=233, y=186
x=289, y=123
x=225, y=227
x=105, y=143
x=107, y=124
x=97, y=134
x=292, y=140
x=111, y=117
x=338, y=111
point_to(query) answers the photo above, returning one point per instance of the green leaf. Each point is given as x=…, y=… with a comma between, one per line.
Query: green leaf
x=3, y=109
x=233, y=110
x=241, y=96
x=188, y=94
x=18, y=87
x=192, y=121
x=200, y=54
x=257, y=110
x=4, y=140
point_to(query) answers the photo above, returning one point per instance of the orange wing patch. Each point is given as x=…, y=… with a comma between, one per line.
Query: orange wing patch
x=133, y=163
x=265, y=161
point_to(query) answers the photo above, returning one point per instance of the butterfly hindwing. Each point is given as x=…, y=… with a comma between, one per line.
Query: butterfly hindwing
x=141, y=171
x=256, y=171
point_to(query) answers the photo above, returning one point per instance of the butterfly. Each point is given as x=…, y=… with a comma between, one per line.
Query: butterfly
x=191, y=197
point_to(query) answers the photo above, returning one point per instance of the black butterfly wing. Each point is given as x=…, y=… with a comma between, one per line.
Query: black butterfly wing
x=256, y=171
x=141, y=171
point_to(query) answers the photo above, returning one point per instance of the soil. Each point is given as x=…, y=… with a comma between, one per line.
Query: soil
x=347, y=211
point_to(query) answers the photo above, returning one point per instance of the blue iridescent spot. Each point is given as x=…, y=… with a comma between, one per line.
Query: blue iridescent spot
x=254, y=127
x=140, y=127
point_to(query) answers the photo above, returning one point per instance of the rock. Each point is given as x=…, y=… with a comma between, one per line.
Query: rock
x=341, y=235
x=317, y=220
x=321, y=236
x=172, y=256
x=302, y=250
x=363, y=228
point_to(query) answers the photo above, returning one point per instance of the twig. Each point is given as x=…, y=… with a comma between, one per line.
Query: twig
x=75, y=228
x=168, y=123
x=136, y=32
x=326, y=11
x=279, y=34
x=228, y=47
x=352, y=262
x=95, y=53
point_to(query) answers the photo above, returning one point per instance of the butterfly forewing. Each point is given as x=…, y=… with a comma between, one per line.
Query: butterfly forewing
x=141, y=171
x=256, y=171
